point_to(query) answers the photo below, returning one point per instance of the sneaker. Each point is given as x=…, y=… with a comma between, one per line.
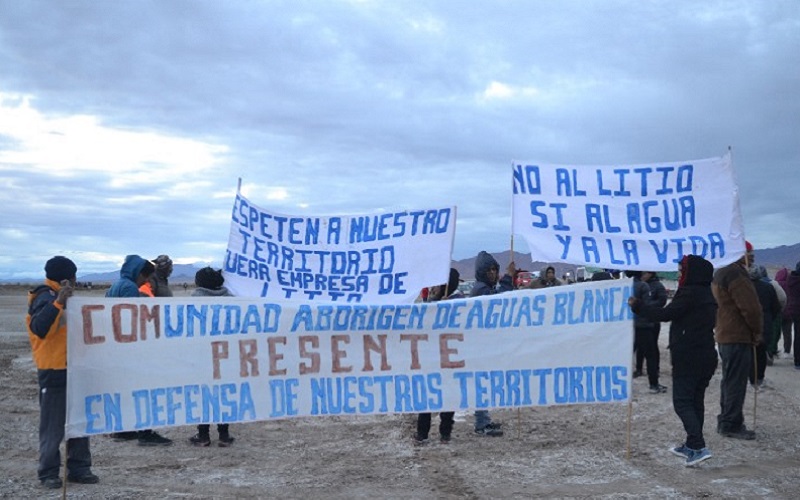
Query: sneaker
x=658, y=389
x=125, y=436
x=489, y=431
x=797, y=367
x=444, y=439
x=52, y=483
x=682, y=451
x=697, y=456
x=637, y=374
x=741, y=433
x=225, y=440
x=87, y=478
x=420, y=440
x=153, y=438
x=200, y=440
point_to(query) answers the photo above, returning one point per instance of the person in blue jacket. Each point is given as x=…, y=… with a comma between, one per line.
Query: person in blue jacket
x=134, y=273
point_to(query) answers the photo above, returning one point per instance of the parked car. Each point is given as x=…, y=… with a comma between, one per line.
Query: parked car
x=524, y=278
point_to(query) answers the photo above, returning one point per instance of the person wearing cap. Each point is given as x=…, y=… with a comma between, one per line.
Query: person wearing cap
x=134, y=273
x=47, y=331
x=210, y=283
x=739, y=328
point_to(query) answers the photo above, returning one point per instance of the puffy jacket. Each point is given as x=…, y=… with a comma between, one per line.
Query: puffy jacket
x=125, y=286
x=739, y=317
x=47, y=327
x=693, y=313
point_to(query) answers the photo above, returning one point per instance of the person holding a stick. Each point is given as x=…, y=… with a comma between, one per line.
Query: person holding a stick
x=739, y=329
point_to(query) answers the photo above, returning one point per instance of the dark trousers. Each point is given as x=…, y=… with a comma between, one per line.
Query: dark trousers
x=756, y=373
x=787, y=325
x=52, y=416
x=737, y=361
x=205, y=429
x=445, y=424
x=640, y=352
x=688, y=400
x=645, y=343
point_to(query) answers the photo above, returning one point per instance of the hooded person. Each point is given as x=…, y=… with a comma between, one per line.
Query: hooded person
x=547, y=278
x=134, y=273
x=770, y=309
x=210, y=283
x=488, y=282
x=692, y=314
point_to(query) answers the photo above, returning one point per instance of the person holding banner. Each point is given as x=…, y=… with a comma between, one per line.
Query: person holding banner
x=134, y=273
x=658, y=298
x=488, y=282
x=693, y=313
x=739, y=328
x=210, y=284
x=446, y=291
x=645, y=334
x=47, y=332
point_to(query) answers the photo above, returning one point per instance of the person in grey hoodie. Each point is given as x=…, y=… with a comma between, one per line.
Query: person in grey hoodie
x=209, y=283
x=488, y=282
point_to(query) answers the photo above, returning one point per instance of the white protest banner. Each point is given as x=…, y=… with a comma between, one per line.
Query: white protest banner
x=637, y=217
x=147, y=363
x=376, y=258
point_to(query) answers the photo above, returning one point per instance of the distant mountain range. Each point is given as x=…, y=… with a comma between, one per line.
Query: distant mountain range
x=772, y=258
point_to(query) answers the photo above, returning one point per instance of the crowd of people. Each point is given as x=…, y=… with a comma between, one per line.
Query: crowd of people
x=736, y=315
x=47, y=331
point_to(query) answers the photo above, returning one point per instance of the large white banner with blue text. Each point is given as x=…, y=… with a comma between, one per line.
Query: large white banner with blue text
x=638, y=217
x=376, y=258
x=148, y=363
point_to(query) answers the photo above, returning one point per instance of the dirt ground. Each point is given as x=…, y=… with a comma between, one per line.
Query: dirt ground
x=554, y=452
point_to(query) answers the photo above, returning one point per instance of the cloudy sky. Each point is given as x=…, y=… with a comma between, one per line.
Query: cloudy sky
x=125, y=126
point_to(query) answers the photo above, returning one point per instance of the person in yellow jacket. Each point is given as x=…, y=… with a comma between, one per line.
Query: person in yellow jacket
x=47, y=330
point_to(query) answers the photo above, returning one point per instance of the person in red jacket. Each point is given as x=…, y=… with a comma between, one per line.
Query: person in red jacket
x=47, y=332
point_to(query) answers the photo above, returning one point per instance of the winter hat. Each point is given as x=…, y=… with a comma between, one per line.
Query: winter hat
x=163, y=265
x=60, y=268
x=209, y=278
x=757, y=272
x=748, y=246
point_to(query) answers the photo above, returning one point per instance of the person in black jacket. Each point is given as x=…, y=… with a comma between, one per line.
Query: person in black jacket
x=658, y=297
x=644, y=340
x=771, y=308
x=693, y=313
